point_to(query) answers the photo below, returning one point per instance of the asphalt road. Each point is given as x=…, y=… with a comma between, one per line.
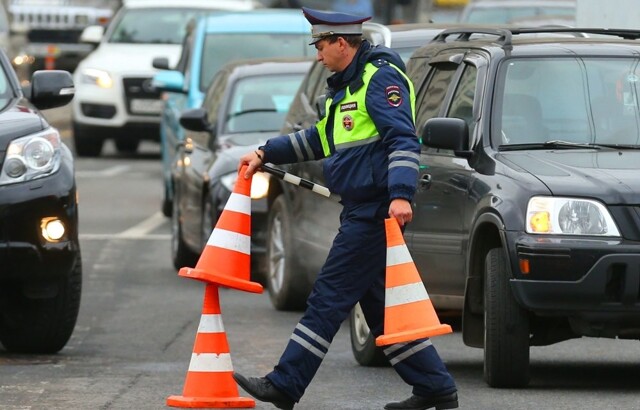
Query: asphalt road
x=138, y=320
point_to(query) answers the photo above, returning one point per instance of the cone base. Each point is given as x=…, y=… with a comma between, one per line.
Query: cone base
x=411, y=335
x=222, y=280
x=211, y=402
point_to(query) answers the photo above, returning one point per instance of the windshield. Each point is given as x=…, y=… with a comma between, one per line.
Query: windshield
x=221, y=48
x=506, y=15
x=159, y=26
x=576, y=100
x=261, y=103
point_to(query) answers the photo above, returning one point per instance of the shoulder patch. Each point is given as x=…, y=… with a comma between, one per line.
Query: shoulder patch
x=394, y=96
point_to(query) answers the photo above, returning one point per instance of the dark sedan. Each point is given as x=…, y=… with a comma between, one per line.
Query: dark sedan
x=245, y=104
x=40, y=264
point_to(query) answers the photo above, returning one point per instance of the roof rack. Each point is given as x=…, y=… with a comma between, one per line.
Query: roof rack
x=505, y=34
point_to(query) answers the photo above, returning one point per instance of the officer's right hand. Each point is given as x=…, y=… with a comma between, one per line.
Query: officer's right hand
x=252, y=161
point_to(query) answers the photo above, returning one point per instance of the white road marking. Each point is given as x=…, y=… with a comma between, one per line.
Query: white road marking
x=139, y=231
x=104, y=173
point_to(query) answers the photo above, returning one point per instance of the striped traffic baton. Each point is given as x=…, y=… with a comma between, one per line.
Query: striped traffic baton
x=295, y=180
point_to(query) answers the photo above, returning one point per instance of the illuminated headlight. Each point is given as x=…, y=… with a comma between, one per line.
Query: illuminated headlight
x=52, y=229
x=96, y=77
x=569, y=216
x=31, y=157
x=259, y=184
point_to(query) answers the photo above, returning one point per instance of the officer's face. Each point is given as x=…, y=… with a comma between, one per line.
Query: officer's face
x=334, y=56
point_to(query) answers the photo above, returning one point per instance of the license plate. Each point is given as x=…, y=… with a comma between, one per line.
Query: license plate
x=145, y=106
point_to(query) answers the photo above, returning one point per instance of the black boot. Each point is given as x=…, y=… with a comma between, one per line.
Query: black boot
x=262, y=389
x=441, y=402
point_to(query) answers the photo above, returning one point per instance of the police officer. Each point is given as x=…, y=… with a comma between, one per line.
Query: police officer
x=371, y=152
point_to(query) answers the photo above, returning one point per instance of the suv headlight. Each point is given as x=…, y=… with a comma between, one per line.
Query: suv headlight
x=31, y=157
x=569, y=216
x=259, y=183
x=97, y=77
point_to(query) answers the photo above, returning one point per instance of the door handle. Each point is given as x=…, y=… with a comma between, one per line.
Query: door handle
x=425, y=181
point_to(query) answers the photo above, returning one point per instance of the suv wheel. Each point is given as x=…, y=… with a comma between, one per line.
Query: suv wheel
x=181, y=255
x=506, y=327
x=284, y=280
x=363, y=344
x=44, y=324
x=87, y=141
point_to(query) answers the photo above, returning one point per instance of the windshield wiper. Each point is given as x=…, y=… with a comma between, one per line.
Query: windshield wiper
x=619, y=146
x=557, y=144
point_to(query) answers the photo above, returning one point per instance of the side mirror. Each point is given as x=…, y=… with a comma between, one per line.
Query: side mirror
x=161, y=63
x=50, y=89
x=169, y=81
x=320, y=105
x=195, y=120
x=447, y=133
x=92, y=34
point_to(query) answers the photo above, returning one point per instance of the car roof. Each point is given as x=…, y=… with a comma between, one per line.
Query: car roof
x=259, y=20
x=255, y=66
x=538, y=41
x=204, y=4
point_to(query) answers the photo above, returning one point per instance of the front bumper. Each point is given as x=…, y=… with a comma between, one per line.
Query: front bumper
x=24, y=253
x=599, y=278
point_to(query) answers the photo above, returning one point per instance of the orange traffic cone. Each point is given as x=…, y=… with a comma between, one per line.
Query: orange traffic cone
x=50, y=58
x=226, y=258
x=209, y=381
x=408, y=313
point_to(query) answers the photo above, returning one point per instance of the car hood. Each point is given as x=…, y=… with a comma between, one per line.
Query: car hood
x=227, y=160
x=607, y=174
x=130, y=58
x=18, y=119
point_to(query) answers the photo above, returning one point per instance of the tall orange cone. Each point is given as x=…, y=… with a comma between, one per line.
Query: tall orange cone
x=209, y=382
x=408, y=312
x=226, y=258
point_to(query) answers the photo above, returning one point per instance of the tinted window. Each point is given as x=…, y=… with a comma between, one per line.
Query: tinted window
x=219, y=49
x=430, y=98
x=462, y=103
x=160, y=26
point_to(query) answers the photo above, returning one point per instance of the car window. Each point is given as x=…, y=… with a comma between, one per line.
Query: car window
x=215, y=92
x=260, y=103
x=159, y=26
x=221, y=48
x=581, y=100
x=430, y=98
x=462, y=102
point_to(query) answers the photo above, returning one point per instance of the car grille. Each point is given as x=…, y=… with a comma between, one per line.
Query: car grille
x=141, y=97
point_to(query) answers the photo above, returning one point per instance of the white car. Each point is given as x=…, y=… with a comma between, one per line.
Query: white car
x=114, y=98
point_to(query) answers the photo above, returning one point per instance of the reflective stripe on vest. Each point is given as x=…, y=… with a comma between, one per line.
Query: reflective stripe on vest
x=352, y=125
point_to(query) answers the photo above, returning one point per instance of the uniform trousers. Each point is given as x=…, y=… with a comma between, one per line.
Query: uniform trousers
x=355, y=272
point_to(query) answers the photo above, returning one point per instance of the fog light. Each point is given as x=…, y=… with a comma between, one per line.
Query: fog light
x=259, y=185
x=52, y=229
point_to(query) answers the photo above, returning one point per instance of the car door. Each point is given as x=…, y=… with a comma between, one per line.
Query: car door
x=438, y=233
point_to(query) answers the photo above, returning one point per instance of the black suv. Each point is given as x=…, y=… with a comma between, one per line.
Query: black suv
x=40, y=265
x=527, y=215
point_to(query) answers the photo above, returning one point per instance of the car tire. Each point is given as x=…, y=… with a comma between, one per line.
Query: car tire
x=181, y=255
x=286, y=282
x=41, y=325
x=86, y=141
x=363, y=344
x=127, y=145
x=506, y=327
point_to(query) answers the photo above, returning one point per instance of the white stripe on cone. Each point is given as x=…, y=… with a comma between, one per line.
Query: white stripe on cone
x=399, y=295
x=232, y=241
x=397, y=255
x=210, y=323
x=239, y=203
x=210, y=362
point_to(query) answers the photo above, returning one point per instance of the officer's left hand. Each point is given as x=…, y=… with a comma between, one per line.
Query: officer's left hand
x=401, y=210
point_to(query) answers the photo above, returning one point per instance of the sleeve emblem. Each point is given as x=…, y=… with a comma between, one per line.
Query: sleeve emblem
x=394, y=96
